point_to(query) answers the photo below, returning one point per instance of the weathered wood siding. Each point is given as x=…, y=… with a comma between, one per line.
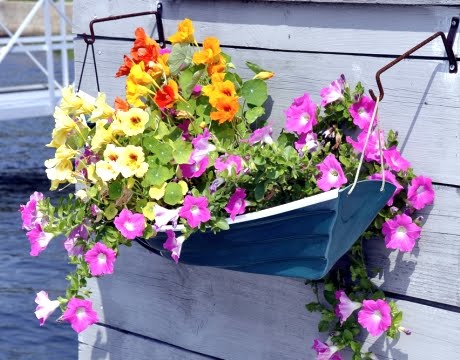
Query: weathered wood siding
x=153, y=309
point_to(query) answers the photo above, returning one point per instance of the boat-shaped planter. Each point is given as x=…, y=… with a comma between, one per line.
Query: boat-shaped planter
x=302, y=239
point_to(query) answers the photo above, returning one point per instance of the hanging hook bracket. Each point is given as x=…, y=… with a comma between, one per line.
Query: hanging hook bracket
x=448, y=45
x=158, y=15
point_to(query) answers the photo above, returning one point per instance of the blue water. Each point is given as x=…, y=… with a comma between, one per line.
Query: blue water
x=22, y=153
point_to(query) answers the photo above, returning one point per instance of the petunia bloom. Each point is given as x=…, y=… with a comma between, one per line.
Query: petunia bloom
x=372, y=152
x=29, y=212
x=375, y=316
x=100, y=259
x=361, y=112
x=345, y=307
x=401, y=233
x=174, y=244
x=195, y=210
x=237, y=203
x=263, y=135
x=332, y=175
x=45, y=306
x=80, y=314
x=301, y=115
x=231, y=163
x=307, y=142
x=195, y=169
x=165, y=216
x=389, y=176
x=333, y=92
x=420, y=192
x=325, y=351
x=38, y=239
x=201, y=146
x=394, y=160
x=79, y=232
x=130, y=225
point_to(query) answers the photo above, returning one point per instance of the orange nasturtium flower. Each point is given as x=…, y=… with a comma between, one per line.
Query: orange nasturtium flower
x=218, y=67
x=225, y=109
x=145, y=48
x=209, y=54
x=121, y=104
x=124, y=69
x=184, y=33
x=218, y=90
x=167, y=95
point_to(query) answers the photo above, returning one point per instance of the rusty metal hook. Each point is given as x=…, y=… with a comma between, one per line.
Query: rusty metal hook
x=448, y=44
x=158, y=13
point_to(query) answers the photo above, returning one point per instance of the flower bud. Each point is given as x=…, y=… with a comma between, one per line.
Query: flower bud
x=264, y=75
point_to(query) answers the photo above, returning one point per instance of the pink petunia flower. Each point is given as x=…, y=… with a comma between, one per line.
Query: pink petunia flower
x=420, y=192
x=80, y=314
x=79, y=232
x=215, y=184
x=195, y=169
x=237, y=203
x=45, y=306
x=345, y=307
x=165, y=216
x=301, y=115
x=195, y=210
x=174, y=244
x=394, y=160
x=262, y=135
x=332, y=175
x=100, y=259
x=30, y=214
x=401, y=233
x=307, y=142
x=389, y=176
x=95, y=211
x=325, y=351
x=38, y=239
x=201, y=147
x=130, y=225
x=333, y=92
x=375, y=316
x=231, y=163
x=197, y=90
x=165, y=51
x=184, y=127
x=372, y=150
x=361, y=112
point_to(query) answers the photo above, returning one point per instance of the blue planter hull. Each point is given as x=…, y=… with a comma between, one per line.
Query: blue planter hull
x=303, y=242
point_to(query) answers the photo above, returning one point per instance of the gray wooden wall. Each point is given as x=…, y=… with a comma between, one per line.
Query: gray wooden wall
x=153, y=309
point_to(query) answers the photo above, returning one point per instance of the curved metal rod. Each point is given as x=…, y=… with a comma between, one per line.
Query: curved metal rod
x=161, y=39
x=450, y=54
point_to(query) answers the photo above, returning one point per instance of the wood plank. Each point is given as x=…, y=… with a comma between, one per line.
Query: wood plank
x=421, y=99
x=371, y=2
x=338, y=28
x=100, y=342
x=234, y=315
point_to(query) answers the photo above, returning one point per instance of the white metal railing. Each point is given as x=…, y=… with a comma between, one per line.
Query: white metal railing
x=48, y=42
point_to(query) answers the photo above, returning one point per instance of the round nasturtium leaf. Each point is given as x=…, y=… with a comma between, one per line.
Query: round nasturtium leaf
x=148, y=211
x=173, y=194
x=157, y=192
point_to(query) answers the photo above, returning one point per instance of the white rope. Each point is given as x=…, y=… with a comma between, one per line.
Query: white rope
x=369, y=131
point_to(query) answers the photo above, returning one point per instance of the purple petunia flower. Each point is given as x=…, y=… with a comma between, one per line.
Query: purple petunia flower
x=237, y=203
x=195, y=169
x=79, y=232
x=45, y=306
x=345, y=307
x=100, y=259
x=394, y=160
x=231, y=163
x=332, y=175
x=401, y=232
x=165, y=216
x=262, y=135
x=361, y=112
x=201, y=147
x=372, y=150
x=375, y=316
x=195, y=210
x=301, y=115
x=325, y=351
x=174, y=244
x=80, y=314
x=129, y=224
x=333, y=92
x=420, y=192
x=30, y=214
x=38, y=239
x=389, y=176
x=307, y=142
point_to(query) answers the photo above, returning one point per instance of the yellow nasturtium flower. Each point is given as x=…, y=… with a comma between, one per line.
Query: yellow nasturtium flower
x=106, y=170
x=157, y=192
x=209, y=54
x=184, y=33
x=64, y=126
x=102, y=109
x=101, y=136
x=131, y=161
x=133, y=121
x=149, y=210
x=60, y=169
x=74, y=104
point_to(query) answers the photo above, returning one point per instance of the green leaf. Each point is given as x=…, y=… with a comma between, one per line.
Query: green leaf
x=115, y=190
x=185, y=79
x=254, y=67
x=259, y=191
x=222, y=224
x=255, y=92
x=110, y=211
x=323, y=326
x=164, y=153
x=180, y=58
x=254, y=113
x=313, y=306
x=348, y=335
x=173, y=194
x=182, y=151
x=157, y=176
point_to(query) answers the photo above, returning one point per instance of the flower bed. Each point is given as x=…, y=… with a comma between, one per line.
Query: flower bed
x=188, y=150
